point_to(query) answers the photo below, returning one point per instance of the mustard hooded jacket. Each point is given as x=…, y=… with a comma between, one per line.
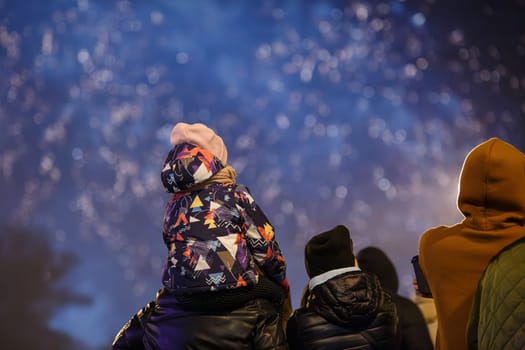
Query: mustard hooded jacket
x=492, y=200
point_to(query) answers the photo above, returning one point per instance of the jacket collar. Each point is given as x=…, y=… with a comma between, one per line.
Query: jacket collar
x=322, y=278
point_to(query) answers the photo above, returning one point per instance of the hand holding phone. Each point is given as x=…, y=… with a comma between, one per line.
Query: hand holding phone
x=422, y=284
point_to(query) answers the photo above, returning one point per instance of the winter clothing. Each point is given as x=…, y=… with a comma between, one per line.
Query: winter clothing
x=492, y=199
x=349, y=311
x=164, y=324
x=199, y=135
x=412, y=326
x=217, y=234
x=497, y=319
x=343, y=307
x=225, y=277
x=130, y=336
x=329, y=251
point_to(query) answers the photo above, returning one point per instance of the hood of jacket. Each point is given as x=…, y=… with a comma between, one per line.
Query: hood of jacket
x=351, y=299
x=492, y=186
x=374, y=260
x=188, y=165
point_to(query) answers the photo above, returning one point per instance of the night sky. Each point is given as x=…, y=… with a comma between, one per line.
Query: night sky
x=334, y=112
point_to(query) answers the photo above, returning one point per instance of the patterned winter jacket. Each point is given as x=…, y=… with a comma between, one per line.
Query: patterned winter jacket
x=497, y=318
x=215, y=232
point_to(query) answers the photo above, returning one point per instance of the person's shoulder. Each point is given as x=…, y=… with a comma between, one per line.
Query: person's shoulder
x=509, y=256
x=435, y=233
x=436, y=230
x=517, y=245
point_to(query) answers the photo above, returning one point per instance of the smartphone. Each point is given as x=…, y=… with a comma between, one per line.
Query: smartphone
x=422, y=284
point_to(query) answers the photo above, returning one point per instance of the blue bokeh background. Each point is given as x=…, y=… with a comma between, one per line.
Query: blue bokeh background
x=334, y=112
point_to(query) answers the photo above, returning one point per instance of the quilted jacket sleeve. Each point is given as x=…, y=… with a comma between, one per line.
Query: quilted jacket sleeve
x=498, y=309
x=472, y=329
x=260, y=238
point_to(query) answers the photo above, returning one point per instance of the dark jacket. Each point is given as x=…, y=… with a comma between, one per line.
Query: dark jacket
x=216, y=234
x=492, y=199
x=349, y=311
x=164, y=325
x=497, y=319
x=412, y=326
x=225, y=276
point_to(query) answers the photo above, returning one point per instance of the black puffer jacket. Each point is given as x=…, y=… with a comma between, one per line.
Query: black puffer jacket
x=349, y=311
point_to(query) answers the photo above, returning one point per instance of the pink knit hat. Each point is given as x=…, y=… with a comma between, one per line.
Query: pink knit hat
x=200, y=135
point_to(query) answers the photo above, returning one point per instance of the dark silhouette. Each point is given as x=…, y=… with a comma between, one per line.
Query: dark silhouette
x=30, y=270
x=412, y=325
